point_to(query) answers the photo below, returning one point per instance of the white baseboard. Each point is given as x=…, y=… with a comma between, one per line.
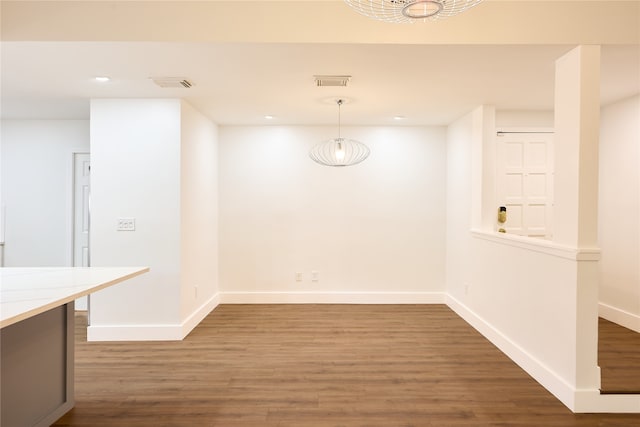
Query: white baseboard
x=541, y=373
x=134, y=332
x=179, y=331
x=578, y=401
x=619, y=316
x=332, y=298
x=592, y=402
x=170, y=332
x=197, y=316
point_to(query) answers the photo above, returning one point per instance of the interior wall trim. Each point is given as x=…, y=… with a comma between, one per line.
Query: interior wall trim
x=550, y=380
x=592, y=402
x=332, y=298
x=577, y=400
x=539, y=245
x=619, y=316
x=198, y=315
x=154, y=332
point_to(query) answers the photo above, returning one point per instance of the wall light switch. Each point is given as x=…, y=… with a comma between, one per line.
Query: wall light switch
x=126, y=224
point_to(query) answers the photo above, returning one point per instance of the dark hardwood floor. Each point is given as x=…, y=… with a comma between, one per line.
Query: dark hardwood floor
x=619, y=358
x=315, y=365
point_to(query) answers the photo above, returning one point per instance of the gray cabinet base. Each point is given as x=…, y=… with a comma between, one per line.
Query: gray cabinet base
x=37, y=360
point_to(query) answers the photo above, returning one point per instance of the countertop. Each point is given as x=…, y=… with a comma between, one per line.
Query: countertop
x=26, y=292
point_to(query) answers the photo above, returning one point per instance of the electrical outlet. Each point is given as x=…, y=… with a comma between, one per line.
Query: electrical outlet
x=195, y=288
x=298, y=277
x=126, y=224
x=315, y=276
x=467, y=288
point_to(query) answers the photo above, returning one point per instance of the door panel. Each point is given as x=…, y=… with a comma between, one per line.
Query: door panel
x=524, y=182
x=81, y=181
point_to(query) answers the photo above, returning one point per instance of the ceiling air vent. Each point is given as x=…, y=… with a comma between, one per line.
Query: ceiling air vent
x=332, y=80
x=179, y=82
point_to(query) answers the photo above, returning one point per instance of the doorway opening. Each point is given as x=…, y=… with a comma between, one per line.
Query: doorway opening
x=81, y=216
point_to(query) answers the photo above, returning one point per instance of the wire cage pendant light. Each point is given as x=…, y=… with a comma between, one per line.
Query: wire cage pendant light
x=401, y=11
x=339, y=151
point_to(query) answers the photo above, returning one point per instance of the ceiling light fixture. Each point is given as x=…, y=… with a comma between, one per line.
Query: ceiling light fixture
x=102, y=79
x=401, y=11
x=339, y=151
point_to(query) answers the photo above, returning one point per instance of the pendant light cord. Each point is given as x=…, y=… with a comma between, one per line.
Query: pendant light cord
x=339, y=105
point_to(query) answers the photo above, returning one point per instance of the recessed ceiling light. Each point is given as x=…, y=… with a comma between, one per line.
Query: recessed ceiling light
x=268, y=117
x=102, y=79
x=399, y=117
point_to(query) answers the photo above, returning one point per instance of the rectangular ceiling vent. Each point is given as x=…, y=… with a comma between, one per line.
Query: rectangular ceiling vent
x=332, y=80
x=172, y=82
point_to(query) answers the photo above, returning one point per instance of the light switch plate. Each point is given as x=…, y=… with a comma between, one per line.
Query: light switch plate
x=126, y=224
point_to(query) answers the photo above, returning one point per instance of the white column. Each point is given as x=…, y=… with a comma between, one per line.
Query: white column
x=577, y=122
x=577, y=126
x=135, y=173
x=483, y=197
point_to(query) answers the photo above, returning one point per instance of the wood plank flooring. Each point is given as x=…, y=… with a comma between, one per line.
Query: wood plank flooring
x=619, y=358
x=315, y=365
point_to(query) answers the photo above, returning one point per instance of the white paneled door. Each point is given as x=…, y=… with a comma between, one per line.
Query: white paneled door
x=524, y=182
x=82, y=170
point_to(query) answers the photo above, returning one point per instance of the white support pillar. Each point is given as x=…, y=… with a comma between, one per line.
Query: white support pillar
x=577, y=123
x=483, y=196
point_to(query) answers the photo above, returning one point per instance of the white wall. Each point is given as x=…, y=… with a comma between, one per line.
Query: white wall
x=520, y=293
x=522, y=118
x=458, y=204
x=37, y=189
x=135, y=154
x=155, y=161
x=198, y=212
x=619, y=213
x=374, y=232
x=514, y=295
x=536, y=300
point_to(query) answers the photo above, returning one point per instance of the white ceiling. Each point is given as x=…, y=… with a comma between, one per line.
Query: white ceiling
x=241, y=82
